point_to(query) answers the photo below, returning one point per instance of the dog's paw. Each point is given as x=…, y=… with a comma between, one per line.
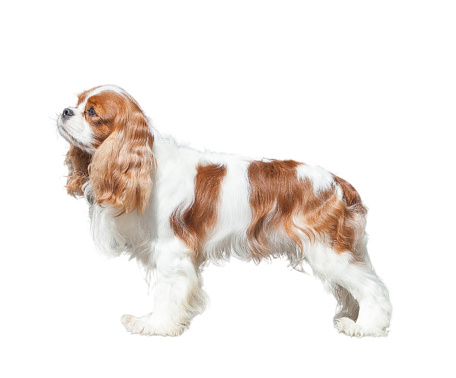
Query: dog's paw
x=137, y=325
x=146, y=326
x=351, y=328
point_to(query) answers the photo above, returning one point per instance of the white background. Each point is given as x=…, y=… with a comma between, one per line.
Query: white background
x=365, y=89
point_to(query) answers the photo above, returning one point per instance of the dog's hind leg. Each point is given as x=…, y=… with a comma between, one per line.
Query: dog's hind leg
x=347, y=306
x=351, y=282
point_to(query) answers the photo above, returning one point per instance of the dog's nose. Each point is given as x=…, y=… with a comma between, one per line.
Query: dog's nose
x=67, y=113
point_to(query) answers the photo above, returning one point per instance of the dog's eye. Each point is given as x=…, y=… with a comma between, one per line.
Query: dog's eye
x=91, y=112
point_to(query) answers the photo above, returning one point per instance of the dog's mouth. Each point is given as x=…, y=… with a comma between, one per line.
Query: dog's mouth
x=69, y=138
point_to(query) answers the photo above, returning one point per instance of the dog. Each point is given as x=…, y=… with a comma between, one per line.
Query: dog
x=176, y=209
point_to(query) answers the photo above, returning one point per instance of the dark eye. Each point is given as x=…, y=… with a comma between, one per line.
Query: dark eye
x=91, y=112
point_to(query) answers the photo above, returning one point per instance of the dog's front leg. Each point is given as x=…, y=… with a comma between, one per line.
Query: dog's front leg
x=177, y=292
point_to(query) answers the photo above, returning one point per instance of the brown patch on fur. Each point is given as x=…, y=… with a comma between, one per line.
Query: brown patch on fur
x=351, y=218
x=350, y=195
x=326, y=216
x=121, y=168
x=282, y=202
x=109, y=107
x=274, y=198
x=82, y=96
x=194, y=223
x=77, y=162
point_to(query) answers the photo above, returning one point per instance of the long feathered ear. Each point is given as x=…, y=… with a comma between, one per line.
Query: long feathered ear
x=122, y=167
x=77, y=162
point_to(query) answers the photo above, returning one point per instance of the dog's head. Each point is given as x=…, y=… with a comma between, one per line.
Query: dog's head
x=111, y=148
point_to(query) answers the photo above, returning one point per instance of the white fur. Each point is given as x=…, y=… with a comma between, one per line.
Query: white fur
x=321, y=179
x=178, y=288
x=233, y=214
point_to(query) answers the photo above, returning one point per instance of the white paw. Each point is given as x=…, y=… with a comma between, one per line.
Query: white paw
x=136, y=325
x=351, y=328
x=147, y=327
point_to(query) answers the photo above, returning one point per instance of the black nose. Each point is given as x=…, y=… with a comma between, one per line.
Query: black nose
x=67, y=113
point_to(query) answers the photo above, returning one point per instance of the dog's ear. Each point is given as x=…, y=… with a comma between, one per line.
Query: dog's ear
x=77, y=162
x=122, y=167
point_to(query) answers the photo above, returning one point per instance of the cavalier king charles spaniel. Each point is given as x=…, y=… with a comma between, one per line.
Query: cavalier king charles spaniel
x=175, y=209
